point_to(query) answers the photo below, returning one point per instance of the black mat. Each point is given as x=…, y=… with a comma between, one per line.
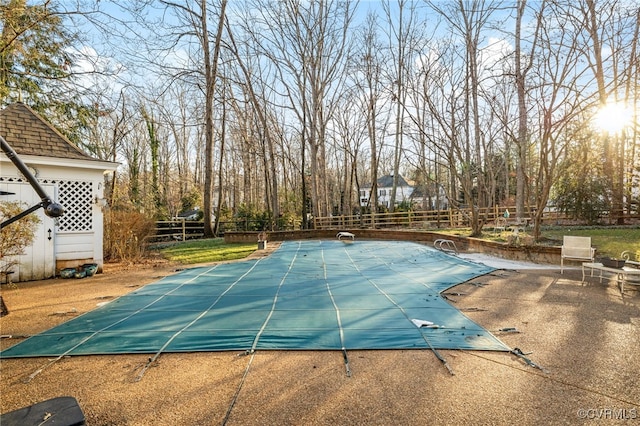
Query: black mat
x=61, y=411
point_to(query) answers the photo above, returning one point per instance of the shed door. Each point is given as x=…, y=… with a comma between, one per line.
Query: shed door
x=38, y=261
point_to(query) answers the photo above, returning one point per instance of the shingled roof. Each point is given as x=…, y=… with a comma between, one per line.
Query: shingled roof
x=29, y=134
x=386, y=181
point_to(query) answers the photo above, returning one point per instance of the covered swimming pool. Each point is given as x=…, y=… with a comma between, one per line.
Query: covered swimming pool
x=307, y=295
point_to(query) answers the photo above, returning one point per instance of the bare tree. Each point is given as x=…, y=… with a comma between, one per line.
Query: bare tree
x=521, y=70
x=604, y=33
x=307, y=43
x=560, y=105
x=268, y=145
x=211, y=74
x=289, y=118
x=366, y=76
x=601, y=21
x=467, y=22
x=402, y=38
x=350, y=135
x=441, y=125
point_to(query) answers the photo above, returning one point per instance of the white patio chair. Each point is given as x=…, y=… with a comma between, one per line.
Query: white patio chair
x=576, y=248
x=500, y=225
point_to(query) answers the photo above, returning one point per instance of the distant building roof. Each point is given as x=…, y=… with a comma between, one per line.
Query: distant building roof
x=28, y=134
x=426, y=190
x=387, y=182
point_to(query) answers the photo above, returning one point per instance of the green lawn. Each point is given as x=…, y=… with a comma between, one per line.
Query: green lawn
x=609, y=241
x=207, y=250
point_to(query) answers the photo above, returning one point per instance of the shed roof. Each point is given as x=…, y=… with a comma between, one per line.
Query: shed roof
x=30, y=134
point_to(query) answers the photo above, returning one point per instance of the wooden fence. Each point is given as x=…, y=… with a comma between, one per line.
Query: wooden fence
x=181, y=230
x=429, y=219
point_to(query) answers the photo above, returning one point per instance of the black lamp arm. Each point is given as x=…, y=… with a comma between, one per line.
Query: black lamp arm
x=51, y=209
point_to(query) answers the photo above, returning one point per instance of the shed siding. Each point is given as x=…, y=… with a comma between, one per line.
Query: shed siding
x=76, y=245
x=37, y=261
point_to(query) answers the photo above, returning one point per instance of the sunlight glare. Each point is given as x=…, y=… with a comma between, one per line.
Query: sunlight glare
x=612, y=118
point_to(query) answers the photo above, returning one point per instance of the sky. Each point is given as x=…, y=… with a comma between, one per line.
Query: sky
x=106, y=53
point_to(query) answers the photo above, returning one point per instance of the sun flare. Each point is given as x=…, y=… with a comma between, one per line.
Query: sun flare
x=612, y=118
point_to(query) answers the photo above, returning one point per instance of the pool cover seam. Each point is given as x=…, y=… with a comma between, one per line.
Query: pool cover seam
x=345, y=357
x=275, y=300
x=203, y=313
x=83, y=341
x=424, y=337
x=176, y=334
x=333, y=301
x=428, y=287
x=387, y=296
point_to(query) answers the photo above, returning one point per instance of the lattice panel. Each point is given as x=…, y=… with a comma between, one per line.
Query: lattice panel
x=76, y=199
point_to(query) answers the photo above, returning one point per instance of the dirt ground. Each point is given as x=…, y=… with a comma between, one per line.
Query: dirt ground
x=584, y=336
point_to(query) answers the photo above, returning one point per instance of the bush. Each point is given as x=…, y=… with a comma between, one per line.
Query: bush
x=249, y=218
x=125, y=235
x=15, y=237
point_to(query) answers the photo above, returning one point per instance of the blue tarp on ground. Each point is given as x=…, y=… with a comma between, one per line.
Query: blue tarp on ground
x=307, y=295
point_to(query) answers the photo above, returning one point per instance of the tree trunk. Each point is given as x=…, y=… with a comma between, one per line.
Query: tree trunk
x=3, y=308
x=522, y=141
x=211, y=74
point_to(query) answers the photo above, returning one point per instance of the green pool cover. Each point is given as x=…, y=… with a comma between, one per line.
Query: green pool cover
x=312, y=295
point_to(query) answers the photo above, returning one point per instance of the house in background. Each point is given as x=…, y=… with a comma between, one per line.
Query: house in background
x=430, y=196
x=404, y=190
x=70, y=177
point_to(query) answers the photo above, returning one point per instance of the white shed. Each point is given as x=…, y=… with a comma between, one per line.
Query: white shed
x=70, y=177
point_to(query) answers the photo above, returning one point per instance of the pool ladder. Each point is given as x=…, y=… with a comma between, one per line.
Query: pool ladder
x=447, y=246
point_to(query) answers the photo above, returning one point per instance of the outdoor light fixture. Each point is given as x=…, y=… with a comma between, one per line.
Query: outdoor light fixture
x=100, y=202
